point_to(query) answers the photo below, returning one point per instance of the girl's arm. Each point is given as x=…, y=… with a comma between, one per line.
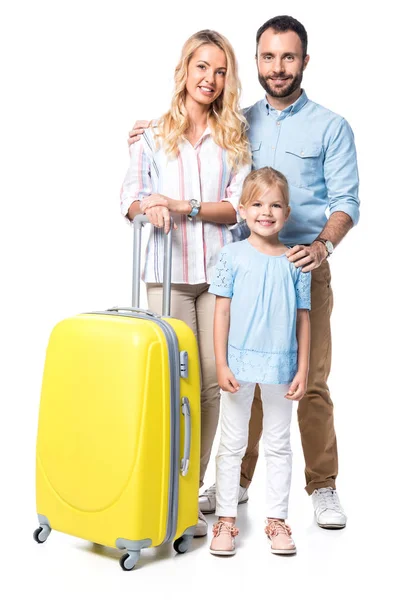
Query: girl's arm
x=226, y=379
x=298, y=386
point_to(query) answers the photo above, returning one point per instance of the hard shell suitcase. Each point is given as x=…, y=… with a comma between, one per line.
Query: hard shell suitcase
x=118, y=446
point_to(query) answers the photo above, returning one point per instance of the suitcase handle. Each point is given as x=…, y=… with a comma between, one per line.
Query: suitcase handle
x=188, y=434
x=132, y=310
x=138, y=223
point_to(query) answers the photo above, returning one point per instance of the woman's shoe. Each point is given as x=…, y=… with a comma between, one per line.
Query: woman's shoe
x=280, y=536
x=223, y=542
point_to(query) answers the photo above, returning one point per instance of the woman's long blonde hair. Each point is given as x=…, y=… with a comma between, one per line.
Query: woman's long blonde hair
x=227, y=124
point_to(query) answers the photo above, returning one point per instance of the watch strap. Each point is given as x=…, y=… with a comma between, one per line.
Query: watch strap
x=325, y=243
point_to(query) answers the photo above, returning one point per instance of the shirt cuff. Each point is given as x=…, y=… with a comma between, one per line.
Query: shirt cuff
x=352, y=210
x=219, y=291
x=125, y=206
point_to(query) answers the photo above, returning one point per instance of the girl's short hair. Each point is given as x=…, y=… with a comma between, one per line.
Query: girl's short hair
x=257, y=182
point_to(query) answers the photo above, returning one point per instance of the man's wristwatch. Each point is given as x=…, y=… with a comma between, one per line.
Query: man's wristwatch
x=195, y=204
x=327, y=243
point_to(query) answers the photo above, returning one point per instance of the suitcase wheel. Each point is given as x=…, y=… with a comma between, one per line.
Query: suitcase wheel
x=129, y=560
x=41, y=534
x=181, y=545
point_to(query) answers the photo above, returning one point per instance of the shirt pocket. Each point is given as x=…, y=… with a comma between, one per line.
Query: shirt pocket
x=255, y=154
x=303, y=163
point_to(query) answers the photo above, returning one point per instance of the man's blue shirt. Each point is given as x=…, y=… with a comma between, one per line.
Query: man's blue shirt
x=314, y=148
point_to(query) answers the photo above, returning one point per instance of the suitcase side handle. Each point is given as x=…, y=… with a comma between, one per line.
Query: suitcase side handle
x=138, y=223
x=188, y=434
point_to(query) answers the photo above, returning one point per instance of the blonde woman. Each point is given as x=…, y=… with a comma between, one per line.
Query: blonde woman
x=191, y=164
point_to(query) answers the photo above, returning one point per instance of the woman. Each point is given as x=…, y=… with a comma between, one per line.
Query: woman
x=191, y=164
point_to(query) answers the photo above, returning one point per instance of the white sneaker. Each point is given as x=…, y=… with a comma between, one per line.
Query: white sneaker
x=207, y=501
x=201, y=527
x=328, y=510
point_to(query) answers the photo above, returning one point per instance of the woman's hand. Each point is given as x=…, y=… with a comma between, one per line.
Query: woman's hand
x=160, y=217
x=226, y=379
x=180, y=207
x=297, y=387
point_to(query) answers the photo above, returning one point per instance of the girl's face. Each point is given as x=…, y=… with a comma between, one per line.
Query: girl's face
x=206, y=74
x=266, y=214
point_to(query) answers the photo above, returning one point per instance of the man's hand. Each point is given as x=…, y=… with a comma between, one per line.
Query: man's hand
x=297, y=387
x=307, y=257
x=135, y=134
x=226, y=380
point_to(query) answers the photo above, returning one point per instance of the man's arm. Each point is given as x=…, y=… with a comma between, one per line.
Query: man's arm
x=341, y=178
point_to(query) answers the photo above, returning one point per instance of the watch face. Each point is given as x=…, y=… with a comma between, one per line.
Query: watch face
x=329, y=246
x=195, y=203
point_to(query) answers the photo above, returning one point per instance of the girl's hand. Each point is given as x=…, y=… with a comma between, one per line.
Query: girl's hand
x=180, y=207
x=226, y=380
x=297, y=388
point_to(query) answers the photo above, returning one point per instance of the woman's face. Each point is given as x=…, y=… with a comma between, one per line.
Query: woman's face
x=206, y=74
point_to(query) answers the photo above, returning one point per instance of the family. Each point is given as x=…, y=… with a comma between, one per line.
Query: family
x=265, y=178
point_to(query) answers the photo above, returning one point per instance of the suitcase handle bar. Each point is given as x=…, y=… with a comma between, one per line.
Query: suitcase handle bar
x=188, y=431
x=132, y=310
x=138, y=223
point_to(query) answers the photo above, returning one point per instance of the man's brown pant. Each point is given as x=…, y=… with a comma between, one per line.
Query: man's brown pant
x=315, y=410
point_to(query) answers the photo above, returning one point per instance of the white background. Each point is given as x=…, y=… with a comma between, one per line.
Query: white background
x=75, y=76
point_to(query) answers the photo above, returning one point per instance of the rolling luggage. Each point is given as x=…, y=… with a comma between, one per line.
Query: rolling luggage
x=118, y=446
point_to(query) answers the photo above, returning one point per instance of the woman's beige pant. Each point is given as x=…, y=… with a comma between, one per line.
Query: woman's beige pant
x=195, y=306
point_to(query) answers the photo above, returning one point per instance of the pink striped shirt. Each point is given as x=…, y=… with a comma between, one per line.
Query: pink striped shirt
x=199, y=171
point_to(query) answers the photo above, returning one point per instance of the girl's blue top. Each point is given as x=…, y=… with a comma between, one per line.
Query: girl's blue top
x=266, y=293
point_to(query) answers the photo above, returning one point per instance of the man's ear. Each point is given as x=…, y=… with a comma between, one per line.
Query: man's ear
x=306, y=61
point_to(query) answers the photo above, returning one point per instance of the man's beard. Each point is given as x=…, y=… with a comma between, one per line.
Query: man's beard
x=293, y=84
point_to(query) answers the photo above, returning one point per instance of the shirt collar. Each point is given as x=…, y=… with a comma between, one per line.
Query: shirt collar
x=293, y=108
x=205, y=134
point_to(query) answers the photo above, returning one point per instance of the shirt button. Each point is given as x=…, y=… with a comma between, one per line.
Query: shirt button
x=302, y=153
x=273, y=147
x=278, y=123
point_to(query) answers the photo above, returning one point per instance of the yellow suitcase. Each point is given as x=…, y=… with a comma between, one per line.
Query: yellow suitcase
x=118, y=446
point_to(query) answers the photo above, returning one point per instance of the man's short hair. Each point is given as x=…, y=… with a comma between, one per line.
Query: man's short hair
x=282, y=24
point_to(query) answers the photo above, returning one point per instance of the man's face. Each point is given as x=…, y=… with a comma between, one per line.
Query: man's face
x=280, y=63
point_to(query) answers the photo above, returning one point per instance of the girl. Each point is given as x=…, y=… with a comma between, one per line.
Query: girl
x=191, y=164
x=261, y=335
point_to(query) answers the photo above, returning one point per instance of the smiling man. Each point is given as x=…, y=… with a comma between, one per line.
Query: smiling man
x=314, y=148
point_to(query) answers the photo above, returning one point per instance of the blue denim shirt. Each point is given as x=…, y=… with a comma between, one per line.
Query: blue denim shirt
x=314, y=148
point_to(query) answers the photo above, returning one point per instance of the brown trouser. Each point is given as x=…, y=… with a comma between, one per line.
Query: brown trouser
x=315, y=410
x=195, y=306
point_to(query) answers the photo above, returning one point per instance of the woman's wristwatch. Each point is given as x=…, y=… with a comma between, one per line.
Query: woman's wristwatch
x=327, y=243
x=195, y=204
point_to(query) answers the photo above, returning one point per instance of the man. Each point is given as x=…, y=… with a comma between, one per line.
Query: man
x=314, y=148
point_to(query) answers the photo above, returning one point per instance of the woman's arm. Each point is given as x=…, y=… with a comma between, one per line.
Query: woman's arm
x=137, y=186
x=222, y=314
x=223, y=212
x=298, y=386
x=213, y=212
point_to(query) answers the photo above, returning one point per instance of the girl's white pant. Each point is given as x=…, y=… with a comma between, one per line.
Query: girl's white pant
x=236, y=410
